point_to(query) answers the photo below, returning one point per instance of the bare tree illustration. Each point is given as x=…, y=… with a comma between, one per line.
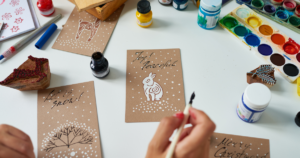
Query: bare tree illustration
x=68, y=136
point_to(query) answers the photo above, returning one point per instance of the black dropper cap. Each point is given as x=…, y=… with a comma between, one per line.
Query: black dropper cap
x=297, y=119
x=143, y=6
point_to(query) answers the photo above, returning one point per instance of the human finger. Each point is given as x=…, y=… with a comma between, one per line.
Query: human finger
x=203, y=128
x=6, y=152
x=165, y=130
x=17, y=144
x=14, y=131
x=185, y=132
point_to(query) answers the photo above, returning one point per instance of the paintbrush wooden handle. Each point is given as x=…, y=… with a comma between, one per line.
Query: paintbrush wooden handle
x=177, y=135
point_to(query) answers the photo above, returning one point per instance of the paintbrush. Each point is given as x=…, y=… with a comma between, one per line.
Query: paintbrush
x=177, y=135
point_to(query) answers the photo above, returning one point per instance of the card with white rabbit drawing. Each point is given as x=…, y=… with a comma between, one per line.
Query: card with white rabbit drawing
x=154, y=85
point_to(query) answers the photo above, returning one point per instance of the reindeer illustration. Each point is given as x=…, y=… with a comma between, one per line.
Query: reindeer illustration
x=90, y=26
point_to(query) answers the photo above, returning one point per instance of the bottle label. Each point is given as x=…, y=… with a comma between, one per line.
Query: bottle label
x=165, y=1
x=101, y=74
x=142, y=23
x=247, y=114
x=50, y=11
x=206, y=20
x=183, y=6
x=175, y=5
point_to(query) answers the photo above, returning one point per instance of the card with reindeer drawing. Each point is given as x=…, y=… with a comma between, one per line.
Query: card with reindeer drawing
x=68, y=122
x=85, y=34
x=154, y=85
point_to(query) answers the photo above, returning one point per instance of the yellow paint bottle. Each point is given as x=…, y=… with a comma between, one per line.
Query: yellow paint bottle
x=144, y=13
x=298, y=85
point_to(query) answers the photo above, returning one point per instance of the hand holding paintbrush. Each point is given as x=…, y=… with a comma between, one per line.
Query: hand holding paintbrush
x=177, y=135
x=190, y=142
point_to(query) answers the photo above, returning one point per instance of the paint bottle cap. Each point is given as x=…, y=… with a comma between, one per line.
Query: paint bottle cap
x=257, y=96
x=297, y=119
x=143, y=6
x=211, y=5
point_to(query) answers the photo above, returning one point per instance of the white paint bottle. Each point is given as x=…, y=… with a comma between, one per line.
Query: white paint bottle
x=253, y=103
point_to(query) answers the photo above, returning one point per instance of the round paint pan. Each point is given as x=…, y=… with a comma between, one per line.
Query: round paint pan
x=297, y=11
x=277, y=59
x=258, y=4
x=243, y=13
x=295, y=21
x=252, y=40
x=240, y=31
x=254, y=21
x=269, y=9
x=278, y=39
x=266, y=30
x=289, y=4
x=282, y=15
x=230, y=22
x=298, y=57
x=246, y=1
x=265, y=49
x=277, y=2
x=290, y=48
x=291, y=69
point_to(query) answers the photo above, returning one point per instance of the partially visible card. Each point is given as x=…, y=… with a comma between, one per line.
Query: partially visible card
x=234, y=146
x=68, y=122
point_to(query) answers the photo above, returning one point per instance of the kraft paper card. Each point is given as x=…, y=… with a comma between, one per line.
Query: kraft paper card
x=68, y=122
x=233, y=146
x=154, y=85
x=85, y=34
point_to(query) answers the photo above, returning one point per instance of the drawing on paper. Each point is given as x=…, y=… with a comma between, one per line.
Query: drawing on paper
x=14, y=2
x=19, y=11
x=85, y=34
x=152, y=89
x=5, y=26
x=68, y=136
x=90, y=26
x=15, y=29
x=6, y=16
x=19, y=20
x=64, y=138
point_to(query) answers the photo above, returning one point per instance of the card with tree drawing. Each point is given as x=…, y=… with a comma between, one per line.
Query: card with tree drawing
x=154, y=85
x=234, y=146
x=85, y=34
x=68, y=122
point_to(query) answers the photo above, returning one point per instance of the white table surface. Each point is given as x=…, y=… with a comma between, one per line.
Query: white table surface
x=214, y=66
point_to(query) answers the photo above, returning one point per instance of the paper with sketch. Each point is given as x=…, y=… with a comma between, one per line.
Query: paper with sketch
x=234, y=146
x=68, y=122
x=154, y=84
x=85, y=34
x=17, y=18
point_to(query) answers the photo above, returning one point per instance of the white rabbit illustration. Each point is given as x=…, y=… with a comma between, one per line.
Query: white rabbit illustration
x=152, y=88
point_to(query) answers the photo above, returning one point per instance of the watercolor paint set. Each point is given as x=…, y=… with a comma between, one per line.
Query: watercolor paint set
x=284, y=12
x=263, y=38
x=273, y=35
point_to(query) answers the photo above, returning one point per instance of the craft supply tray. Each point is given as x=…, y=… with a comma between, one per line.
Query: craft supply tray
x=272, y=17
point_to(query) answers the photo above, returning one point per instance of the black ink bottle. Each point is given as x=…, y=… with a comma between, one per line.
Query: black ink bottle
x=99, y=65
x=297, y=119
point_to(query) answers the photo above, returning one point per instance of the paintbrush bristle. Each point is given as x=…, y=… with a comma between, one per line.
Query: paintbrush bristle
x=192, y=98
